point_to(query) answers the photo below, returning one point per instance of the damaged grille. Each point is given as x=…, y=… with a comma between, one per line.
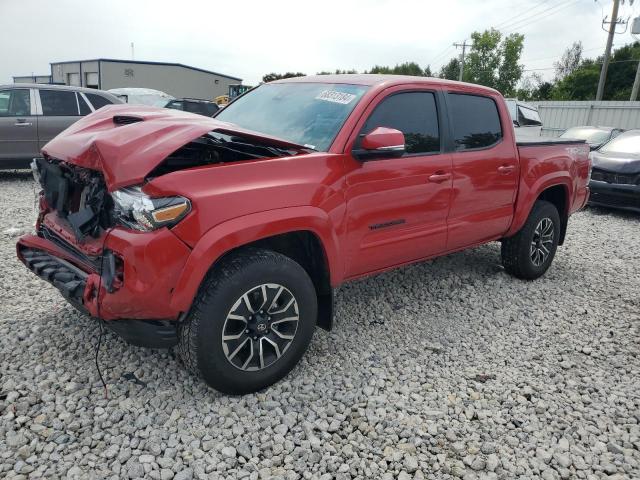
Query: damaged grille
x=67, y=278
x=612, y=177
x=78, y=195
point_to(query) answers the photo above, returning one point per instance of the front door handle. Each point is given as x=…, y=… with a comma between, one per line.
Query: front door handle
x=20, y=122
x=439, y=177
x=506, y=169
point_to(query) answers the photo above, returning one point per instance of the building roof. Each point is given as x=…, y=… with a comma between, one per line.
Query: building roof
x=143, y=62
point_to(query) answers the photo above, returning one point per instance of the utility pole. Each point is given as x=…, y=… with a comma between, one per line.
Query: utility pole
x=635, y=30
x=132, y=56
x=636, y=85
x=607, y=52
x=464, y=48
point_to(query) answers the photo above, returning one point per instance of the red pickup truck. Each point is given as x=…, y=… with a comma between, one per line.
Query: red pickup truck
x=226, y=236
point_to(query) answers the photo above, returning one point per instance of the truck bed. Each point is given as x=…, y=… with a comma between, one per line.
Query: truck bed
x=541, y=141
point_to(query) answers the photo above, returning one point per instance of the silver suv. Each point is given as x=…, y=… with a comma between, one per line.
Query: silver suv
x=32, y=114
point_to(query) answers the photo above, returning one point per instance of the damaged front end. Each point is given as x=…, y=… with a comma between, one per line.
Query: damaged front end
x=74, y=218
x=105, y=244
x=106, y=252
x=78, y=195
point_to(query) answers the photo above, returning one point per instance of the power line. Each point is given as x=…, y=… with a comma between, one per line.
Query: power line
x=516, y=23
x=501, y=24
x=526, y=19
x=441, y=54
x=553, y=68
x=594, y=63
x=557, y=57
x=520, y=25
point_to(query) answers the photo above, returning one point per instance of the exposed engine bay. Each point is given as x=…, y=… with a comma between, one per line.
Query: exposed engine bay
x=80, y=196
x=216, y=148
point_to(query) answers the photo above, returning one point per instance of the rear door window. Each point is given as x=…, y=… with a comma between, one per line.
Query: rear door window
x=58, y=103
x=98, y=100
x=413, y=113
x=15, y=103
x=476, y=122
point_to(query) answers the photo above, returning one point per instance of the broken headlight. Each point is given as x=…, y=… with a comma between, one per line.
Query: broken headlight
x=135, y=209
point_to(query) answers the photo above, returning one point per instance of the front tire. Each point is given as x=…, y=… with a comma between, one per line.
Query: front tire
x=529, y=253
x=251, y=322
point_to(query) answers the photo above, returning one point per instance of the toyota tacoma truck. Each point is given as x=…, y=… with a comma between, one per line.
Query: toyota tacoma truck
x=225, y=237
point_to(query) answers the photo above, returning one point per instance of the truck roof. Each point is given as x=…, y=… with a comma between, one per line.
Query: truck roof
x=370, y=79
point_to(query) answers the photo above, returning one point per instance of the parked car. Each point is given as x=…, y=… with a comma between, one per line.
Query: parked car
x=615, y=177
x=194, y=105
x=525, y=117
x=226, y=236
x=142, y=96
x=594, y=136
x=32, y=114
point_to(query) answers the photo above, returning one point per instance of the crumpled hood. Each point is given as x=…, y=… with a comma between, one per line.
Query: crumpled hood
x=617, y=163
x=126, y=153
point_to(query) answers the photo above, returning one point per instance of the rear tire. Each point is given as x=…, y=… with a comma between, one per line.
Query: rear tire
x=529, y=253
x=251, y=322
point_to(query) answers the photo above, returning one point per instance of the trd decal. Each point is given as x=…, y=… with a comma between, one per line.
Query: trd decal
x=376, y=226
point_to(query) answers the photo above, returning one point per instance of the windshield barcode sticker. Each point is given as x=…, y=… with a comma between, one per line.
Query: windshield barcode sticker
x=336, y=97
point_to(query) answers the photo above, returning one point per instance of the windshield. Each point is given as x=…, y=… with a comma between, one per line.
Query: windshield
x=590, y=135
x=309, y=114
x=628, y=142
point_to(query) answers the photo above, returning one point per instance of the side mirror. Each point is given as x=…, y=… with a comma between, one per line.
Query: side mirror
x=516, y=123
x=381, y=142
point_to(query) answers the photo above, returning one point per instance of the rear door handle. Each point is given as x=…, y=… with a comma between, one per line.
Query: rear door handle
x=506, y=169
x=21, y=122
x=439, y=177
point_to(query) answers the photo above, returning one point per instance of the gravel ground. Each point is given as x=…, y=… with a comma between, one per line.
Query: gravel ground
x=448, y=369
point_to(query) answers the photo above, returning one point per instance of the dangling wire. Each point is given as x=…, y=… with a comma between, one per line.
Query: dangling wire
x=100, y=321
x=104, y=384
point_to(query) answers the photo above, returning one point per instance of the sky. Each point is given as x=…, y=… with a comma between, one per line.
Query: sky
x=248, y=38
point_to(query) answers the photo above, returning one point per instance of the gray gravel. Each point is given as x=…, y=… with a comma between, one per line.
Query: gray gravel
x=448, y=369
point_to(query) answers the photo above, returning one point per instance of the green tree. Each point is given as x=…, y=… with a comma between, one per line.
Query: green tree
x=337, y=72
x=569, y=61
x=494, y=61
x=533, y=87
x=380, y=69
x=450, y=71
x=528, y=86
x=406, y=68
x=544, y=91
x=579, y=85
x=427, y=71
x=510, y=70
x=270, y=77
x=582, y=83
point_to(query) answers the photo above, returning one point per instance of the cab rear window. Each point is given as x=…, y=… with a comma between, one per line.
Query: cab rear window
x=476, y=122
